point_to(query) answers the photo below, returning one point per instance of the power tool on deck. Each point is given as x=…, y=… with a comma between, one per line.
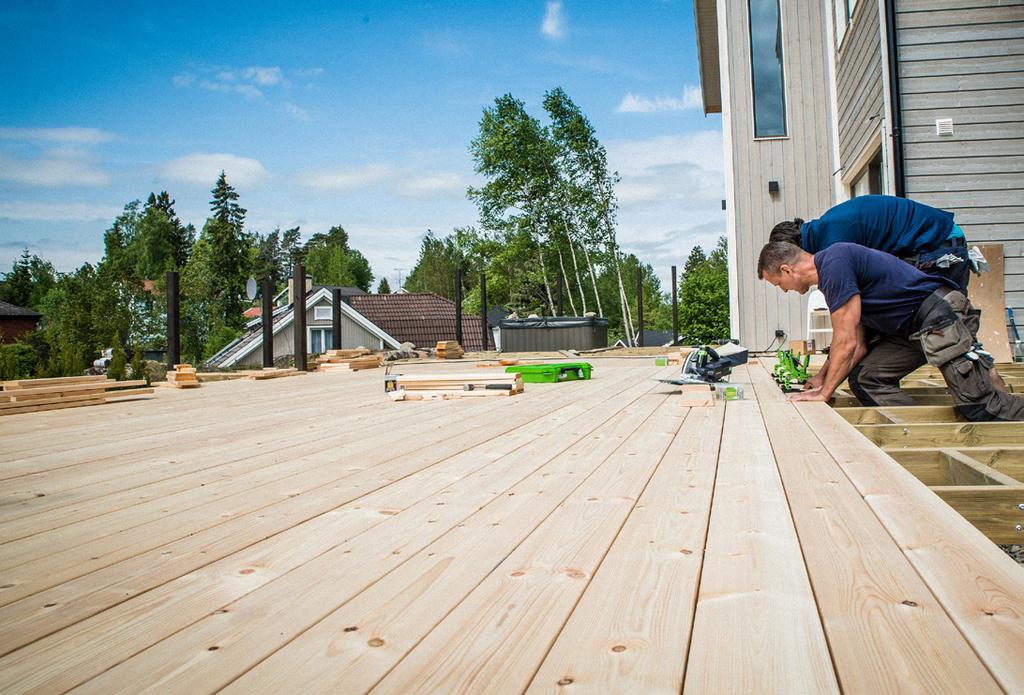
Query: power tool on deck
x=790, y=371
x=710, y=365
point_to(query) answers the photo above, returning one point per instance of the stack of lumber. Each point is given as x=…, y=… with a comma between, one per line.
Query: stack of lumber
x=34, y=395
x=416, y=387
x=270, y=373
x=448, y=350
x=348, y=360
x=183, y=376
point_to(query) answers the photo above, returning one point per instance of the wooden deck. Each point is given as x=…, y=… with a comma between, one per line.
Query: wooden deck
x=308, y=535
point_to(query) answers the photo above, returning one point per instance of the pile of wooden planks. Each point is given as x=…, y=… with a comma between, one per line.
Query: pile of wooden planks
x=448, y=350
x=418, y=387
x=183, y=376
x=348, y=360
x=35, y=395
x=271, y=373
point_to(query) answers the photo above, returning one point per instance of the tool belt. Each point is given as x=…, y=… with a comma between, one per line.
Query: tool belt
x=951, y=243
x=945, y=324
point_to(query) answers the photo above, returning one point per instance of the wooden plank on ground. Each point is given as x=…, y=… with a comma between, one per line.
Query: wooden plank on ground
x=886, y=631
x=404, y=606
x=755, y=605
x=636, y=641
x=981, y=588
x=497, y=637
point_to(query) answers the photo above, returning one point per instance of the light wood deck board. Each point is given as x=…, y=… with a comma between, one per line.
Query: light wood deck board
x=427, y=480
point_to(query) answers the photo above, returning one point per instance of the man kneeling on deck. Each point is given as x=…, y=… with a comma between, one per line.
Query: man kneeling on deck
x=920, y=318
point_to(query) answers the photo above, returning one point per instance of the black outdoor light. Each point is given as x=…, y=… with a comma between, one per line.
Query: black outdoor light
x=773, y=187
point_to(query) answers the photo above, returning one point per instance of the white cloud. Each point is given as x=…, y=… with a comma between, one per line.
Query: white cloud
x=297, y=111
x=183, y=80
x=203, y=168
x=52, y=212
x=71, y=134
x=432, y=185
x=66, y=166
x=349, y=179
x=690, y=99
x=246, y=90
x=553, y=25
x=265, y=77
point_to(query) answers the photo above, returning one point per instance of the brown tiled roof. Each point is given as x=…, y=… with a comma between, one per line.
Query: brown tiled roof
x=420, y=319
x=7, y=309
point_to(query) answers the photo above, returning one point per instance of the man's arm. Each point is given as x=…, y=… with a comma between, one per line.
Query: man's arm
x=848, y=348
x=818, y=379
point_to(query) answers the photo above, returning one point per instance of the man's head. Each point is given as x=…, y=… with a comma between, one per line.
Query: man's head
x=788, y=231
x=787, y=266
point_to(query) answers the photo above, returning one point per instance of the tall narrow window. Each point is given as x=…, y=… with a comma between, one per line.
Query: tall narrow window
x=766, y=66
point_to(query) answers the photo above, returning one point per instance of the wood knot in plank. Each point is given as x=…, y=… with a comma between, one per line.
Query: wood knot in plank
x=376, y=642
x=565, y=681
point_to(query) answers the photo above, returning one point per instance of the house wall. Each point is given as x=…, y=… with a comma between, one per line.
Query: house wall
x=964, y=59
x=859, y=97
x=352, y=336
x=800, y=162
x=12, y=328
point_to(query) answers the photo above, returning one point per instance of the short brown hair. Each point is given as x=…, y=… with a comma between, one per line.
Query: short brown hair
x=774, y=255
x=788, y=231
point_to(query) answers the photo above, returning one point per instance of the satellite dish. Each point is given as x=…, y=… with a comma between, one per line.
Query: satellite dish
x=250, y=288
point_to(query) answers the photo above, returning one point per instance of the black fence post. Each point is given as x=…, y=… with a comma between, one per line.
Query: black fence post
x=561, y=293
x=458, y=306
x=173, y=320
x=336, y=318
x=640, y=306
x=483, y=309
x=675, y=310
x=267, y=318
x=299, y=315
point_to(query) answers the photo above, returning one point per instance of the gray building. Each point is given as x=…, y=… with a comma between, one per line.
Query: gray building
x=356, y=331
x=823, y=100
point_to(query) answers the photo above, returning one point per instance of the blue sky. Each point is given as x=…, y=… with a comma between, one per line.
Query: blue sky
x=351, y=113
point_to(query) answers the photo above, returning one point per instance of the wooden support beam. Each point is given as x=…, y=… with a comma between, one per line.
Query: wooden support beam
x=931, y=434
x=993, y=509
x=988, y=466
x=899, y=414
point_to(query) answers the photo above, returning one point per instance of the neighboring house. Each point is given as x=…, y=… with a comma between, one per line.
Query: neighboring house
x=829, y=99
x=356, y=331
x=16, y=321
x=420, y=319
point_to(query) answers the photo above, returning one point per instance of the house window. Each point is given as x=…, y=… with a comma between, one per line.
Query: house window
x=320, y=340
x=766, y=69
x=322, y=313
x=869, y=180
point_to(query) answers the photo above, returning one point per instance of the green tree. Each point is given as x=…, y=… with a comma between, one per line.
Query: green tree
x=17, y=361
x=383, y=287
x=704, y=295
x=182, y=236
x=138, y=365
x=436, y=266
x=224, y=204
x=331, y=261
x=28, y=282
x=227, y=262
x=118, y=360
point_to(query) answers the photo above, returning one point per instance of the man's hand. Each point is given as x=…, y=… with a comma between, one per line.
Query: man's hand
x=814, y=382
x=814, y=394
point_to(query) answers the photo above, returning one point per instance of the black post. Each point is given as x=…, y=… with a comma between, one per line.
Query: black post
x=675, y=309
x=299, y=315
x=458, y=306
x=173, y=321
x=336, y=318
x=267, y=317
x=483, y=309
x=561, y=290
x=640, y=306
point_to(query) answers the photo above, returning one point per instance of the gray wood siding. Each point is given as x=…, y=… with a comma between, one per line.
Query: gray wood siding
x=964, y=59
x=800, y=162
x=859, y=94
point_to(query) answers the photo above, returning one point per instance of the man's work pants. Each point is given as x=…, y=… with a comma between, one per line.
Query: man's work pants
x=948, y=329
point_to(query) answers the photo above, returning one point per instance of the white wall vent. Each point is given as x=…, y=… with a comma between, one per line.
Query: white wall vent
x=943, y=126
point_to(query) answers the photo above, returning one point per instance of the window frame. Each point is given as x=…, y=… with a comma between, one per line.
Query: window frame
x=317, y=313
x=753, y=93
x=325, y=340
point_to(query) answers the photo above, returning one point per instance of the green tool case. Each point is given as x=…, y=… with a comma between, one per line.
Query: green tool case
x=552, y=373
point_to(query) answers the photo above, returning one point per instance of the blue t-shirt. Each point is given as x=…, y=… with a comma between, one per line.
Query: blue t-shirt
x=890, y=290
x=895, y=225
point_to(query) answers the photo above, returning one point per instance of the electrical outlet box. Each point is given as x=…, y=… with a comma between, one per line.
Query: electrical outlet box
x=779, y=333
